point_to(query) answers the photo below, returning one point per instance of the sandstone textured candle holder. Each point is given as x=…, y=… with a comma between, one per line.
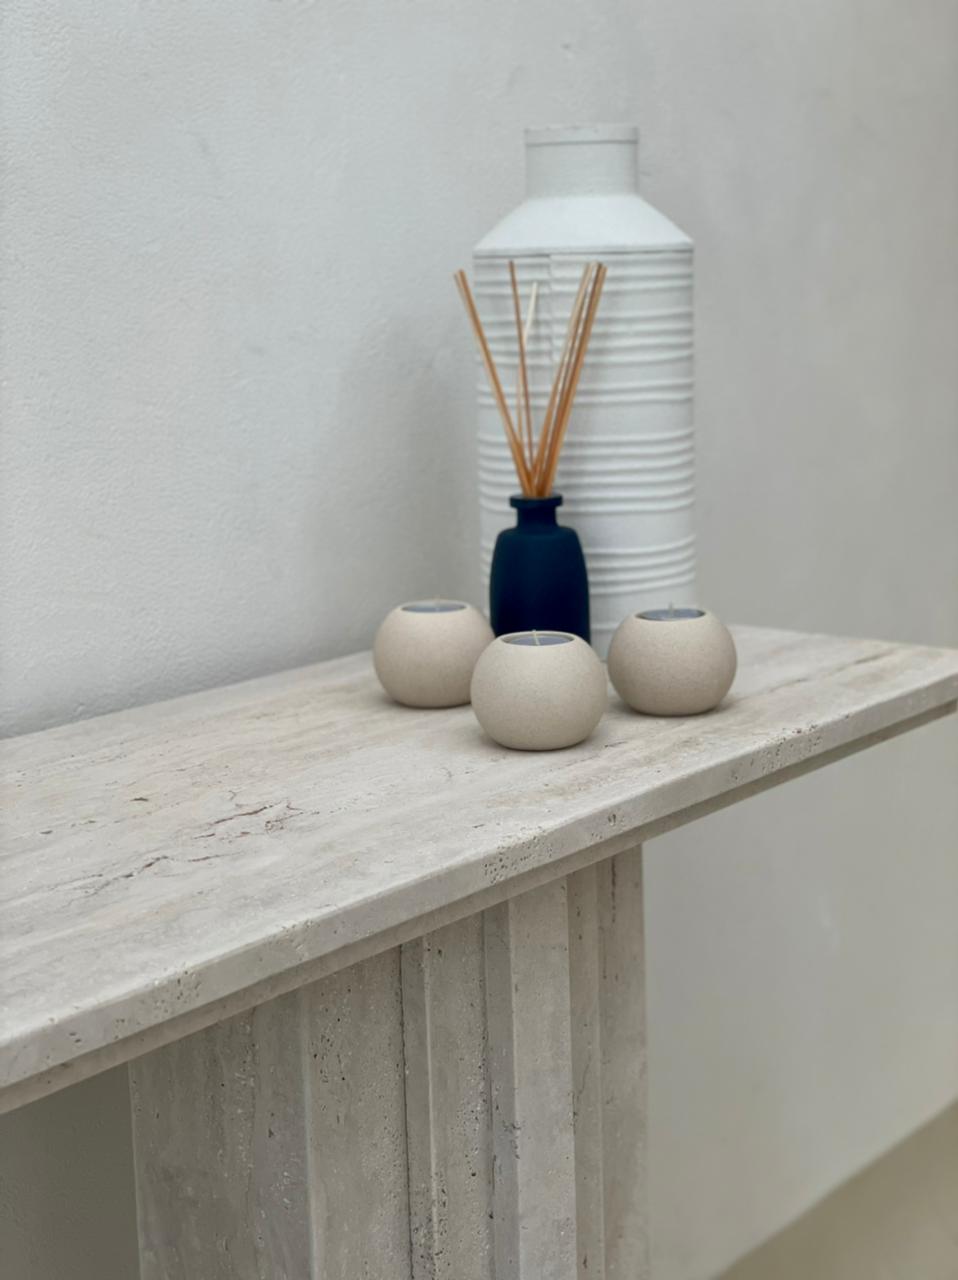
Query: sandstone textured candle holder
x=539, y=690
x=425, y=651
x=672, y=662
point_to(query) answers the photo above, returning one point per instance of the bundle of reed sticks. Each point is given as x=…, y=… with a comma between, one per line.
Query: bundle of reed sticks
x=536, y=452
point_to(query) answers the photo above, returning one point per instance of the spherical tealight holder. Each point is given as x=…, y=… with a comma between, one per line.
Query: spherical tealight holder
x=425, y=651
x=539, y=690
x=672, y=662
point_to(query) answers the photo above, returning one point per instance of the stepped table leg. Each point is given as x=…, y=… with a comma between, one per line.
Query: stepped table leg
x=469, y=1106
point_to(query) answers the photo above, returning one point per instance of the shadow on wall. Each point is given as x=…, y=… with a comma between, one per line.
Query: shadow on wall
x=895, y=1220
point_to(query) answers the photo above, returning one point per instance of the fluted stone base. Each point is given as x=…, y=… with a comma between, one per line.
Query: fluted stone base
x=469, y=1106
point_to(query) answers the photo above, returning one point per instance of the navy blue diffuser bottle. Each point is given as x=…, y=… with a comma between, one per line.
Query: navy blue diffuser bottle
x=538, y=580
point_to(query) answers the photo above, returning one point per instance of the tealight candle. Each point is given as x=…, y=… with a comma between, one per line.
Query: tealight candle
x=672, y=662
x=539, y=690
x=425, y=651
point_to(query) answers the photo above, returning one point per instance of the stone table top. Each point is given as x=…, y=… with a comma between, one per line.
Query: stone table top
x=167, y=866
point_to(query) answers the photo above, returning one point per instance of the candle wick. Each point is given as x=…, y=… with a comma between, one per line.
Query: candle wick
x=535, y=636
x=671, y=609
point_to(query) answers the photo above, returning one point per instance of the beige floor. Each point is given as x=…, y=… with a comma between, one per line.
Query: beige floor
x=897, y=1220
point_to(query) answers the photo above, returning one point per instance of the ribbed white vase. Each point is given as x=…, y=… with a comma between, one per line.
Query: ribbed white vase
x=627, y=469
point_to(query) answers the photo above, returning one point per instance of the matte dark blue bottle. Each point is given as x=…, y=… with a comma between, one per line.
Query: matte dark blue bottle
x=538, y=580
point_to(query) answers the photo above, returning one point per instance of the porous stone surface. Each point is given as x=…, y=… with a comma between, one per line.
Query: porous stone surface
x=272, y=1146
x=468, y=1107
x=168, y=867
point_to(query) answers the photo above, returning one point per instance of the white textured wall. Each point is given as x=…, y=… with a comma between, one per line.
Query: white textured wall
x=804, y=947
x=237, y=424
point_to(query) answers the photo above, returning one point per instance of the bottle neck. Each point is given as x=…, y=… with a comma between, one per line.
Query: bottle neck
x=536, y=513
x=588, y=160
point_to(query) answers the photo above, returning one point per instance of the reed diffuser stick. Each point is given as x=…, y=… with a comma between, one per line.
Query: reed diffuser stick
x=523, y=394
x=525, y=479
x=570, y=385
x=539, y=470
x=536, y=459
x=531, y=313
x=595, y=293
x=526, y=331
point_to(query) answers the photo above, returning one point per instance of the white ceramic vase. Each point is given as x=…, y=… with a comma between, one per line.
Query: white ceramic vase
x=627, y=467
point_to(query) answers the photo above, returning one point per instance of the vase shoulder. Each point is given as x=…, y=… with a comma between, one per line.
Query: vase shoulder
x=583, y=224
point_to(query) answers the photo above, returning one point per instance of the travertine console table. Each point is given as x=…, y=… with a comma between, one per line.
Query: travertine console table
x=380, y=982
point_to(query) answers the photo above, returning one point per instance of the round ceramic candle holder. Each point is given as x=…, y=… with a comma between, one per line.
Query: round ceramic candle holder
x=672, y=662
x=425, y=651
x=539, y=690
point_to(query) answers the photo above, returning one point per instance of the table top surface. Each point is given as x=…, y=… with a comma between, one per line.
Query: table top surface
x=162, y=859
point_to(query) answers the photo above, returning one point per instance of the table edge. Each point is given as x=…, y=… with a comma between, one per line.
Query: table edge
x=934, y=701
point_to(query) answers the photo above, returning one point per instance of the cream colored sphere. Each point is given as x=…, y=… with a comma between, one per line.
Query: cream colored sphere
x=539, y=690
x=425, y=651
x=672, y=666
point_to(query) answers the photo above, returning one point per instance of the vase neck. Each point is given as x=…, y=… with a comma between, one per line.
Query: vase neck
x=585, y=160
x=536, y=513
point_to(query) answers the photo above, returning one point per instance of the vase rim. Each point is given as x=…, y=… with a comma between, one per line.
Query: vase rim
x=564, y=134
x=523, y=503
